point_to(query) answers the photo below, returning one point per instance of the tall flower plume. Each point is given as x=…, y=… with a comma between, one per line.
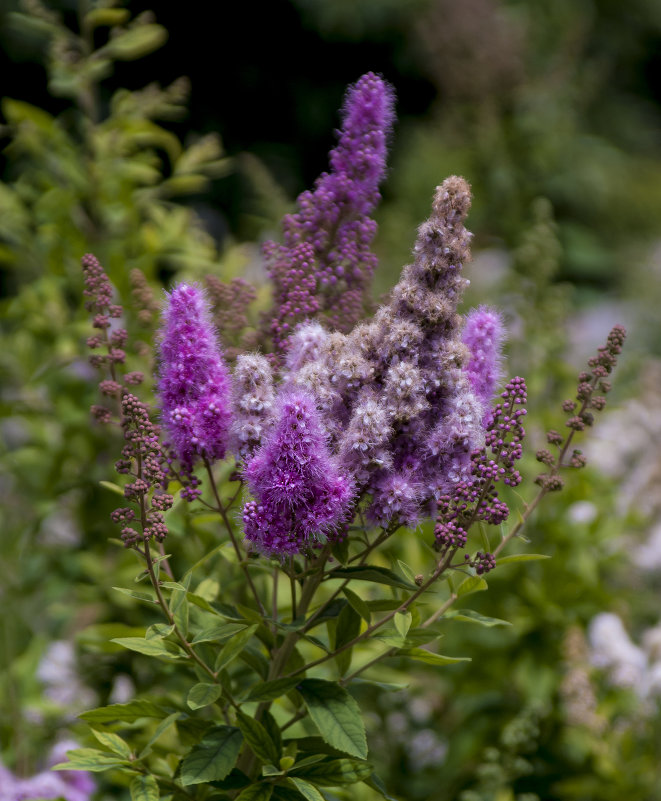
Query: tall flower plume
x=301, y=496
x=324, y=264
x=194, y=382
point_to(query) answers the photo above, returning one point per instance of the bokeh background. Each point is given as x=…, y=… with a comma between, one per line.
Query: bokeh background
x=552, y=110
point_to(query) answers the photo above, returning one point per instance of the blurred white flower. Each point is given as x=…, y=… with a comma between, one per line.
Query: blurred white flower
x=582, y=512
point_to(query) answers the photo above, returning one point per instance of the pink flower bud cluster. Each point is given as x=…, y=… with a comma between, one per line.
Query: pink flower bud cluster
x=142, y=460
x=108, y=345
x=324, y=264
x=194, y=382
x=475, y=498
x=591, y=391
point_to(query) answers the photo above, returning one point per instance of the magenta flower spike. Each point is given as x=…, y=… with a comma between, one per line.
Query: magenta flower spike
x=194, y=382
x=324, y=264
x=484, y=334
x=300, y=495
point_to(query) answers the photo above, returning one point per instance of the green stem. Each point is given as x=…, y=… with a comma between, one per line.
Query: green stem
x=440, y=567
x=223, y=513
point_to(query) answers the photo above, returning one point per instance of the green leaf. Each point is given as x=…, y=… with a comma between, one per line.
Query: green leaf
x=521, y=557
x=270, y=690
x=307, y=790
x=234, y=647
x=380, y=575
x=160, y=648
x=112, y=487
x=407, y=571
x=202, y=603
x=403, y=622
x=347, y=629
x=273, y=731
x=376, y=784
x=144, y=788
x=162, y=727
x=470, y=616
x=203, y=694
x=126, y=713
x=135, y=43
x=158, y=631
x=470, y=585
x=91, y=759
x=218, y=632
x=336, y=715
x=208, y=589
x=114, y=743
x=172, y=585
x=179, y=607
x=213, y=758
x=340, y=551
x=358, y=604
x=421, y=655
x=258, y=739
x=141, y=596
x=256, y=792
x=335, y=772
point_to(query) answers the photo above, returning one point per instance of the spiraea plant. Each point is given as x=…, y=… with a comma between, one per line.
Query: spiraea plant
x=314, y=455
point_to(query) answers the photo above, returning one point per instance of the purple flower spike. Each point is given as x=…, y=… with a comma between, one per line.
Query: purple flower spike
x=324, y=264
x=301, y=497
x=194, y=385
x=484, y=334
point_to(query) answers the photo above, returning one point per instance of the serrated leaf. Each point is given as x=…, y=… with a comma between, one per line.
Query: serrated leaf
x=421, y=655
x=374, y=573
x=270, y=690
x=521, y=557
x=159, y=648
x=336, y=714
x=358, y=604
x=218, y=632
x=258, y=739
x=126, y=713
x=471, y=584
x=402, y=622
x=113, y=742
x=91, y=759
x=213, y=758
x=470, y=616
x=256, y=792
x=144, y=788
x=307, y=790
x=335, y=772
x=203, y=694
x=234, y=647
